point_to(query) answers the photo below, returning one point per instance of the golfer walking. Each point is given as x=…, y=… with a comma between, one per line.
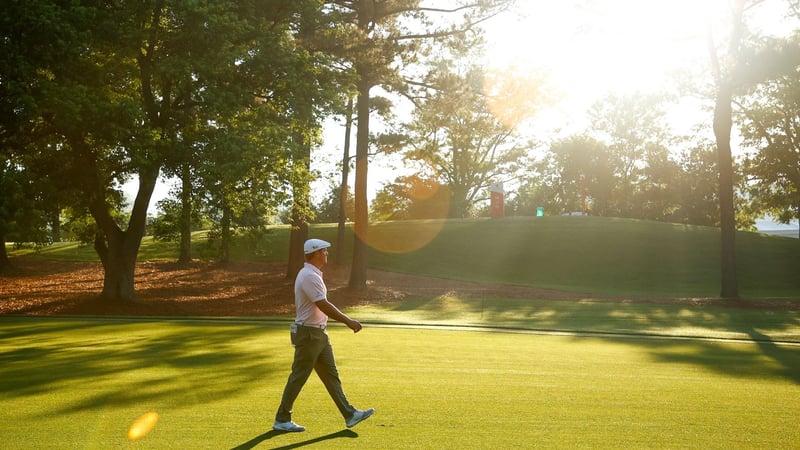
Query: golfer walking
x=312, y=347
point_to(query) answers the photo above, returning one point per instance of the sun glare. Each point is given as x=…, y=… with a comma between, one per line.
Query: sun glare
x=142, y=426
x=592, y=48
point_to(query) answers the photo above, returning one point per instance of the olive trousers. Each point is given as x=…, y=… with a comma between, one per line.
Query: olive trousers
x=312, y=352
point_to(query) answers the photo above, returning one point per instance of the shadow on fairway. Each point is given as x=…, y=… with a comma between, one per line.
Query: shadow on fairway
x=46, y=353
x=772, y=328
x=788, y=360
x=272, y=433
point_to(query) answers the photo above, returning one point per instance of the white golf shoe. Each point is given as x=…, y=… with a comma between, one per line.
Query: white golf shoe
x=288, y=426
x=358, y=416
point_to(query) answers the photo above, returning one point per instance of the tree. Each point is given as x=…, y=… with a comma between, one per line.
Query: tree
x=316, y=91
x=632, y=128
x=24, y=215
x=21, y=219
x=263, y=106
x=412, y=197
x=743, y=64
x=246, y=171
x=330, y=209
x=464, y=132
x=723, y=122
x=75, y=99
x=116, y=84
x=698, y=187
x=655, y=197
x=382, y=39
x=770, y=119
x=346, y=210
x=572, y=167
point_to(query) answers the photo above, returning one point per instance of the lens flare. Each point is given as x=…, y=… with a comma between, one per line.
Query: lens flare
x=142, y=426
x=515, y=95
x=397, y=238
x=430, y=204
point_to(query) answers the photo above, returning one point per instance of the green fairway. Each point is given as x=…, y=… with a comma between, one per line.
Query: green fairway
x=81, y=383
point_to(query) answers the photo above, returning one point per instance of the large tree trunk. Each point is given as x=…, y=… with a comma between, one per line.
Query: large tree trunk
x=297, y=236
x=55, y=223
x=225, y=232
x=118, y=249
x=185, y=256
x=358, y=271
x=723, y=123
x=5, y=263
x=118, y=255
x=300, y=206
x=343, y=193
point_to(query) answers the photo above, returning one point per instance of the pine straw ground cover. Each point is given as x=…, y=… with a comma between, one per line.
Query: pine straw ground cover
x=48, y=287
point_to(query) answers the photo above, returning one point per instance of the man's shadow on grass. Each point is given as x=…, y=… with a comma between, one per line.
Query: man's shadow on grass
x=272, y=433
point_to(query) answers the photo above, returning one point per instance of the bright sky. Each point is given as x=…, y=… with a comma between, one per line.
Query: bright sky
x=606, y=45
x=594, y=47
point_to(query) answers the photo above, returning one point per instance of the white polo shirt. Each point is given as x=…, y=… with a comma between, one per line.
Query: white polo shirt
x=309, y=289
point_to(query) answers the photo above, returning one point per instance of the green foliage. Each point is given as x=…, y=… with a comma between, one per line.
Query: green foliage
x=328, y=211
x=128, y=90
x=21, y=219
x=632, y=129
x=463, y=134
x=166, y=225
x=411, y=197
x=571, y=167
x=390, y=203
x=259, y=243
x=622, y=167
x=698, y=188
x=771, y=120
x=78, y=226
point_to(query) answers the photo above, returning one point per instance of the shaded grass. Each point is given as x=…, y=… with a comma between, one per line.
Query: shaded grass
x=665, y=319
x=80, y=383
